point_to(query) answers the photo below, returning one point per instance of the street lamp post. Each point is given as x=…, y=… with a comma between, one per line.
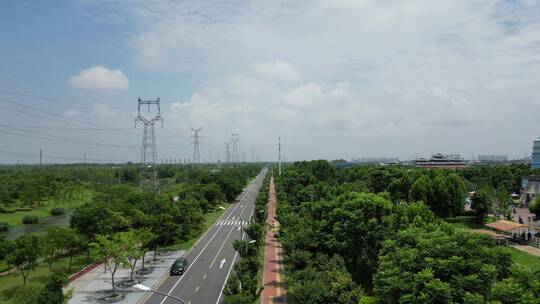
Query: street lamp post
x=146, y=288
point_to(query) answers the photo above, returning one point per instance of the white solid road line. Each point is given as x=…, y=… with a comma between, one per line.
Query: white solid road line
x=227, y=277
x=197, y=257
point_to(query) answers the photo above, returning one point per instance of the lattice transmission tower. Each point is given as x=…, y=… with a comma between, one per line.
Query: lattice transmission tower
x=148, y=171
x=235, y=137
x=227, y=152
x=195, y=142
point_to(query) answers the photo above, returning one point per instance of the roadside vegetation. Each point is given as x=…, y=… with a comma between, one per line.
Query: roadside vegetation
x=111, y=216
x=371, y=234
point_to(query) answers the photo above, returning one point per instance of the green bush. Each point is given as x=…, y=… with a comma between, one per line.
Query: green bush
x=4, y=227
x=534, y=206
x=23, y=209
x=30, y=219
x=6, y=210
x=57, y=211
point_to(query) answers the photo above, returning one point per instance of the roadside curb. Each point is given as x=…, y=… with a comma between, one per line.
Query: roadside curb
x=84, y=271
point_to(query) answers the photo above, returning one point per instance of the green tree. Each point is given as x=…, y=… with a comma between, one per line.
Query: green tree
x=136, y=242
x=112, y=251
x=420, y=190
x=26, y=295
x=55, y=242
x=481, y=203
x=96, y=218
x=534, y=206
x=435, y=264
x=25, y=254
x=52, y=292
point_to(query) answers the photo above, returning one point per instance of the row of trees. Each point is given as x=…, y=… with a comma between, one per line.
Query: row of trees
x=122, y=249
x=345, y=244
x=27, y=251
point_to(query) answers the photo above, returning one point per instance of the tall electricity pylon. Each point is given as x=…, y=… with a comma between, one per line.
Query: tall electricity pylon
x=235, y=137
x=148, y=173
x=195, y=142
x=227, y=152
x=279, y=152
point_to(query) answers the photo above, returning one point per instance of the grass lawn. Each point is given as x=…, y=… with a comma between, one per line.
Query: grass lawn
x=15, y=218
x=209, y=219
x=468, y=222
x=524, y=259
x=10, y=284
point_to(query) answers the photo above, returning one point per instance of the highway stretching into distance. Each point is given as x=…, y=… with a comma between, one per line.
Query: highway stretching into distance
x=212, y=258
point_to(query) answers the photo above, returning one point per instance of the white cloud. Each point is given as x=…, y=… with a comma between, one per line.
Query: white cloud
x=365, y=76
x=72, y=113
x=104, y=110
x=277, y=70
x=100, y=78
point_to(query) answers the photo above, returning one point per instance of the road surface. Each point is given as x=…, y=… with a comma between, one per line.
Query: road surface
x=212, y=258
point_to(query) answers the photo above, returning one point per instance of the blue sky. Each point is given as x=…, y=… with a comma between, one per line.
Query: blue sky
x=334, y=79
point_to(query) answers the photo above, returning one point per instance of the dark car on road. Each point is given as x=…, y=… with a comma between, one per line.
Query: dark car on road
x=179, y=266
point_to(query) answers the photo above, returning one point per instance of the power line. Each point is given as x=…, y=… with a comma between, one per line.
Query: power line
x=45, y=156
x=63, y=139
x=50, y=113
x=25, y=94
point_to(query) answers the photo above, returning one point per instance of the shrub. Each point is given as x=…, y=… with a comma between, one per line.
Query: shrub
x=4, y=227
x=23, y=209
x=57, y=211
x=6, y=210
x=534, y=206
x=30, y=219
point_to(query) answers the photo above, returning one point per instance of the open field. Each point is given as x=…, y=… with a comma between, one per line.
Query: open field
x=525, y=259
x=15, y=218
x=10, y=284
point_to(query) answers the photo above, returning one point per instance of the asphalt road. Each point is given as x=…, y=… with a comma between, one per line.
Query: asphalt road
x=212, y=258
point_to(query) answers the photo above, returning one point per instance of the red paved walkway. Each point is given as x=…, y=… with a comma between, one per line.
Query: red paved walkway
x=273, y=283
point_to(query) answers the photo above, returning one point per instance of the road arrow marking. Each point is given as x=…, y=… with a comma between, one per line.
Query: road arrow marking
x=222, y=262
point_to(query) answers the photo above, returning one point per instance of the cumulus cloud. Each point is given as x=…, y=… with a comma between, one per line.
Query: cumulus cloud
x=99, y=78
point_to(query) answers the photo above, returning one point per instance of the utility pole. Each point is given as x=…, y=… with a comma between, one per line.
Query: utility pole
x=195, y=142
x=279, y=152
x=252, y=154
x=40, y=157
x=148, y=171
x=235, y=137
x=85, y=157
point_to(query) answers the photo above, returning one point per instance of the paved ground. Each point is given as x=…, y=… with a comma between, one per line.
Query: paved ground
x=211, y=259
x=273, y=281
x=528, y=249
x=94, y=284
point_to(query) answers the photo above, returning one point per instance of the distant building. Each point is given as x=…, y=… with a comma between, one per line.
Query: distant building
x=438, y=160
x=378, y=160
x=492, y=158
x=535, y=162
